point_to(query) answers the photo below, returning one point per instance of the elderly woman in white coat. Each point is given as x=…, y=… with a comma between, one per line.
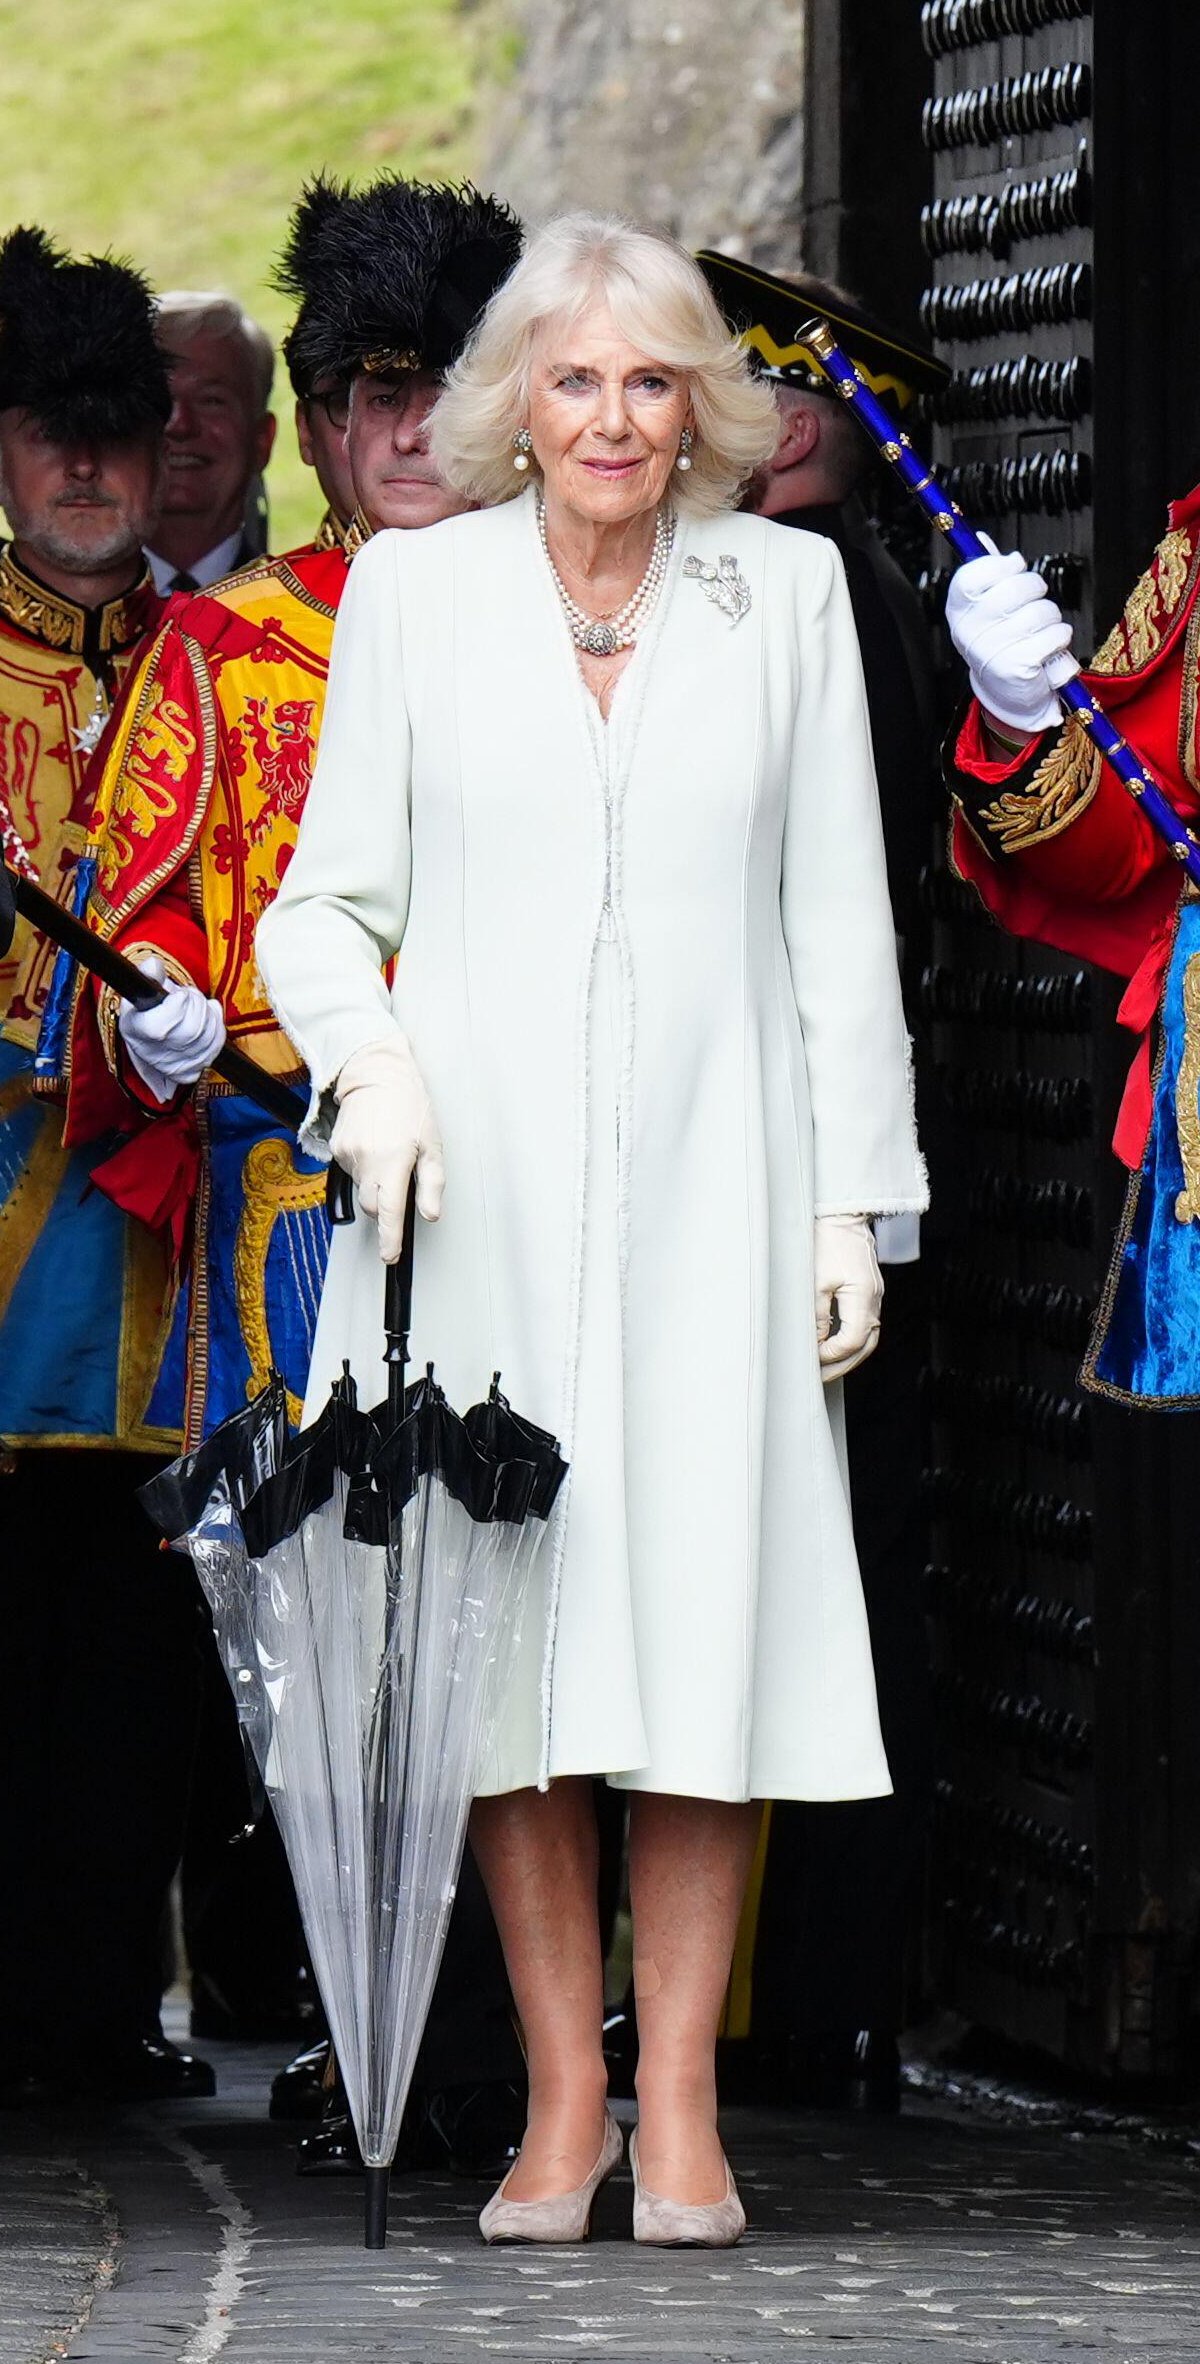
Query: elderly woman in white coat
x=596, y=764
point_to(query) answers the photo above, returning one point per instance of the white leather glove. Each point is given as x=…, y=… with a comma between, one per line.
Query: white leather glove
x=1014, y=639
x=172, y=1044
x=385, y=1126
x=846, y=1272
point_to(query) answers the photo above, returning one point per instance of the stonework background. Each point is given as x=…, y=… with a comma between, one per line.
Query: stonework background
x=684, y=113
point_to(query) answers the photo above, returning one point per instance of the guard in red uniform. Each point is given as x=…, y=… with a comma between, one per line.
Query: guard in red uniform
x=1059, y=851
x=101, y=1643
x=204, y=784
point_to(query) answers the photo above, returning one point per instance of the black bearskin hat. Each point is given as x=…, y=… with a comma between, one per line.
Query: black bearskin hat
x=390, y=277
x=77, y=342
x=299, y=273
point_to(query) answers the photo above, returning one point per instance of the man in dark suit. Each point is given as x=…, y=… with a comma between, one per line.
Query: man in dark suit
x=219, y=439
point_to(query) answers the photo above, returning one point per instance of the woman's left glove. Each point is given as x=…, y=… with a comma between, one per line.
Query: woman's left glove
x=385, y=1127
x=847, y=1275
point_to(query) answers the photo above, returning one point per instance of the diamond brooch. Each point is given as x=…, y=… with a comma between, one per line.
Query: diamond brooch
x=723, y=583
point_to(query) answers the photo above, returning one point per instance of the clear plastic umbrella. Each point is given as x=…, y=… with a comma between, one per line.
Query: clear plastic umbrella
x=366, y=1580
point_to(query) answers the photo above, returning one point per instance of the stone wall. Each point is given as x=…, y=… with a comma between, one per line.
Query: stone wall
x=683, y=113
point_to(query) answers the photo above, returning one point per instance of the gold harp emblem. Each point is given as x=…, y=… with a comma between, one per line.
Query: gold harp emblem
x=272, y=1187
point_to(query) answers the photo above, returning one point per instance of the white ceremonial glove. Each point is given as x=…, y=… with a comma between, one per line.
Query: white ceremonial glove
x=846, y=1272
x=385, y=1126
x=172, y=1044
x=1014, y=639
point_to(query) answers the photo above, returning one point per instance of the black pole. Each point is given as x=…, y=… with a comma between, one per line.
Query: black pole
x=112, y=968
x=375, y=2230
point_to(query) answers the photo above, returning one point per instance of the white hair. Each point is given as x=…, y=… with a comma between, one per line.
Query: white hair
x=187, y=312
x=661, y=301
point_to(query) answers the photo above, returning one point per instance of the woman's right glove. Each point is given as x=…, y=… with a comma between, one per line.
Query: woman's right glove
x=1013, y=638
x=849, y=1284
x=385, y=1126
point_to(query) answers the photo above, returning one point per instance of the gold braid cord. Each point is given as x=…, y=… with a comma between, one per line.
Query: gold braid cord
x=1061, y=789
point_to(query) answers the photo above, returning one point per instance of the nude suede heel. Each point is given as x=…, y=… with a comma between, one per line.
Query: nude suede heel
x=566, y=2217
x=672, y=2224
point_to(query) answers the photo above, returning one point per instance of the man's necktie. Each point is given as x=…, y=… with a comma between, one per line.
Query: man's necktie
x=183, y=581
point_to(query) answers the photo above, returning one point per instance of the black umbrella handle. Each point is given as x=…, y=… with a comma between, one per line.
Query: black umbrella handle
x=339, y=1195
x=397, y=1309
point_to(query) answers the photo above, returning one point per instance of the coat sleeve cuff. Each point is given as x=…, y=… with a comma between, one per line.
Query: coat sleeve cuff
x=1011, y=807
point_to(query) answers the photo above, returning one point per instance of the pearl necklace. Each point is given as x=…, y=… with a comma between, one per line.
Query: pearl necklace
x=602, y=637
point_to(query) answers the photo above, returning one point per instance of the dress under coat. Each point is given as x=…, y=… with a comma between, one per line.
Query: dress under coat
x=648, y=971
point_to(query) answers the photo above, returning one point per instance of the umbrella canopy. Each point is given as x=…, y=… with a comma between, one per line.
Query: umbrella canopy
x=366, y=1580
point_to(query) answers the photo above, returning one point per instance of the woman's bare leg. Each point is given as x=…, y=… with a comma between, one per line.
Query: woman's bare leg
x=689, y=1860
x=538, y=1856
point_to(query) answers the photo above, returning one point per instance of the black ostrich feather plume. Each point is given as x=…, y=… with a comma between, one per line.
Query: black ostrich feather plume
x=390, y=275
x=299, y=274
x=77, y=344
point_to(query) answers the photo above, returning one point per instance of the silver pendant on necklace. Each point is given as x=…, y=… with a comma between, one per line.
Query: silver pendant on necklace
x=599, y=641
x=723, y=583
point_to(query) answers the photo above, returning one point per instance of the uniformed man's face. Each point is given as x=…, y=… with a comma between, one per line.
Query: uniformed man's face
x=218, y=435
x=321, y=434
x=605, y=419
x=80, y=506
x=387, y=441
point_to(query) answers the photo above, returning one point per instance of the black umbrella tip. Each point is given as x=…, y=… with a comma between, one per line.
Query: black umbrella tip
x=375, y=2231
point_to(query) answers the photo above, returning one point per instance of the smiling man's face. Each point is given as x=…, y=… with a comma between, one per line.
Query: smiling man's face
x=218, y=439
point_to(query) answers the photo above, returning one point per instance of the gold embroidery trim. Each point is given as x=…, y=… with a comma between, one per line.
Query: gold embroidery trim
x=1173, y=554
x=1187, y=1096
x=1151, y=606
x=199, y=1340
x=1061, y=789
x=357, y=532
x=301, y=592
x=62, y=623
x=1187, y=702
x=271, y=1187
x=277, y=570
x=331, y=533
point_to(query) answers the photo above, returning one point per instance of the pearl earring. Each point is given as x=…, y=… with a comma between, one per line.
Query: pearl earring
x=522, y=446
x=684, y=457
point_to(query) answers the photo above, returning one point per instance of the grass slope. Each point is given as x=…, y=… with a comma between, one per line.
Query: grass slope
x=177, y=132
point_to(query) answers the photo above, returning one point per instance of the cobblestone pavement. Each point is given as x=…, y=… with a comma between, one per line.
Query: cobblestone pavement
x=58, y=2234
x=932, y=2239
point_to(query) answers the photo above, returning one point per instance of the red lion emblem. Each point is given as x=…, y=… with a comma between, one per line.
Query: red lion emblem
x=281, y=741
